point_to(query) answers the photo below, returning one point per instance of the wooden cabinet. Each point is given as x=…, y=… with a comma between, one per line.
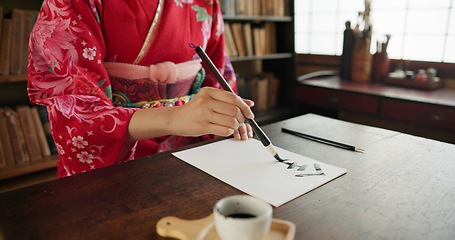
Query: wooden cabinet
x=420, y=112
x=337, y=100
x=428, y=115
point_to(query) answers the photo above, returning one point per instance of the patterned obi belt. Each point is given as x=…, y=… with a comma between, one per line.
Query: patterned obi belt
x=159, y=85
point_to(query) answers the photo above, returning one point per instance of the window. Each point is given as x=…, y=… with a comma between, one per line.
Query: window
x=422, y=30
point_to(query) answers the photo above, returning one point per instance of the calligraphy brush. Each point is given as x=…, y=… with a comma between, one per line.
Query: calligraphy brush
x=322, y=140
x=259, y=132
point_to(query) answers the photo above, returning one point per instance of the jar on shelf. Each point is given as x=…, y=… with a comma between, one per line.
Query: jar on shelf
x=361, y=61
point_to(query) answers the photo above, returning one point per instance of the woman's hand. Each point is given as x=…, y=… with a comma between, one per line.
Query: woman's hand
x=211, y=111
x=214, y=111
x=244, y=131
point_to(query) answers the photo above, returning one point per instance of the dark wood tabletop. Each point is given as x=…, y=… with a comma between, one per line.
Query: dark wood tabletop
x=402, y=187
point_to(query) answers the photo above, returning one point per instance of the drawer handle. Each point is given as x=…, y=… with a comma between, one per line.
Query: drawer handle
x=334, y=99
x=437, y=116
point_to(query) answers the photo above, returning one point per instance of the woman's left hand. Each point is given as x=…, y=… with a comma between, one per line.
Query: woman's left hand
x=244, y=131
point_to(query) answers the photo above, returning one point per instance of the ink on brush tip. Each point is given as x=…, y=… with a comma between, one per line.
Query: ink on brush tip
x=359, y=150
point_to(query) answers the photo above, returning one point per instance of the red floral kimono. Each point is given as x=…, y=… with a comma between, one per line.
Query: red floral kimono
x=71, y=46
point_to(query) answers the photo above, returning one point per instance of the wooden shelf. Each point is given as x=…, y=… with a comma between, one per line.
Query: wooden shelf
x=13, y=78
x=14, y=171
x=258, y=18
x=262, y=57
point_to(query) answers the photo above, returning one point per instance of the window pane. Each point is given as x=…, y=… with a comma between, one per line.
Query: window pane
x=429, y=3
x=395, y=47
x=352, y=6
x=416, y=47
x=324, y=6
x=388, y=4
x=323, y=44
x=301, y=43
x=302, y=23
x=302, y=6
x=339, y=45
x=388, y=22
x=427, y=21
x=420, y=29
x=324, y=23
x=452, y=20
x=449, y=54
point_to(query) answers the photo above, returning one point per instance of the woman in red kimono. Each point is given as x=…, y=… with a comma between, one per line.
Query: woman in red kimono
x=117, y=78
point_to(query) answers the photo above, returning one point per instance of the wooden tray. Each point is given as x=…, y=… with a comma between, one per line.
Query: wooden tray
x=410, y=83
x=205, y=229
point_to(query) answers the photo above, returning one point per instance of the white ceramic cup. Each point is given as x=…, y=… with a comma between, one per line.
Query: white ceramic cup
x=241, y=217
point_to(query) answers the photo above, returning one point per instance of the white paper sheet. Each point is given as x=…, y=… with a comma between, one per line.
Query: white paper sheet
x=249, y=167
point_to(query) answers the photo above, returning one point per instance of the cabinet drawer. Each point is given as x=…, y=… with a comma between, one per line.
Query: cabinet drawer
x=333, y=99
x=418, y=113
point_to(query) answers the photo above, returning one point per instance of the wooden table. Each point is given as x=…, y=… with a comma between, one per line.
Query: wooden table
x=402, y=187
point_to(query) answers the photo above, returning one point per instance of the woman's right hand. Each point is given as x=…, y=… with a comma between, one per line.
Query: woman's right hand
x=213, y=111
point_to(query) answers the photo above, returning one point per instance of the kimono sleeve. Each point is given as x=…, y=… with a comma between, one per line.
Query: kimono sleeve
x=66, y=74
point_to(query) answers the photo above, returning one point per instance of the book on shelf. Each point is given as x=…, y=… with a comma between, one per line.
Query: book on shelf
x=229, y=41
x=243, y=89
x=274, y=8
x=270, y=37
x=27, y=124
x=241, y=8
x=17, y=41
x=253, y=88
x=274, y=85
x=2, y=156
x=43, y=114
x=1, y=23
x=29, y=20
x=262, y=89
x=249, y=4
x=262, y=93
x=41, y=135
x=259, y=40
x=3, y=160
x=239, y=39
x=5, y=46
x=25, y=135
x=6, y=139
x=266, y=8
x=254, y=7
x=280, y=8
x=17, y=137
x=14, y=41
x=228, y=7
x=248, y=39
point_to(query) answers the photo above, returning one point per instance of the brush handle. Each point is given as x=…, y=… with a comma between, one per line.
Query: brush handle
x=261, y=135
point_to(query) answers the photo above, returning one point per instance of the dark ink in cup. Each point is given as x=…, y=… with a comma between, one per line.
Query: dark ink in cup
x=241, y=215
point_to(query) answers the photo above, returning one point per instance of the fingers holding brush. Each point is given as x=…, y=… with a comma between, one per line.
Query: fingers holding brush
x=215, y=111
x=244, y=131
